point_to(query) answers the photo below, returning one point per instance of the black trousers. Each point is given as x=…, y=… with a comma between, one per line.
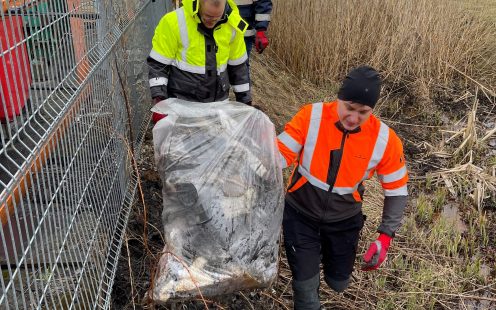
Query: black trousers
x=308, y=243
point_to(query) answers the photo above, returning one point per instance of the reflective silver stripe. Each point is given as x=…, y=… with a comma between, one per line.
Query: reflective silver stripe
x=188, y=68
x=402, y=191
x=243, y=2
x=241, y=88
x=250, y=32
x=289, y=142
x=379, y=246
x=158, y=81
x=392, y=177
x=313, y=180
x=313, y=133
x=221, y=69
x=155, y=55
x=378, y=153
x=233, y=35
x=380, y=146
x=262, y=17
x=284, y=162
x=343, y=190
x=183, y=31
x=238, y=61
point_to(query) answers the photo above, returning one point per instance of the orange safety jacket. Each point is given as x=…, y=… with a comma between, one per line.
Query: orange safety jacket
x=332, y=164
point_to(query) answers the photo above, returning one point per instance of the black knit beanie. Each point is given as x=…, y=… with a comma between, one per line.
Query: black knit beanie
x=361, y=85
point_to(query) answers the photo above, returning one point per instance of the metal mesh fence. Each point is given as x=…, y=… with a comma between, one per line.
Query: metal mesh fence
x=74, y=108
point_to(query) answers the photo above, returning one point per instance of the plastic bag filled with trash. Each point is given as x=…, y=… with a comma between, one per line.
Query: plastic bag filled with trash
x=222, y=198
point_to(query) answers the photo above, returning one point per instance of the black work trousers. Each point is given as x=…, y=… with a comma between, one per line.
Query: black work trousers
x=309, y=242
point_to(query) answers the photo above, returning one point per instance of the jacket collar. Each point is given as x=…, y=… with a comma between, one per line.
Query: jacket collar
x=342, y=129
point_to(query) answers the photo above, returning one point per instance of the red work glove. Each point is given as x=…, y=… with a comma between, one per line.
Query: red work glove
x=261, y=41
x=376, y=253
x=157, y=116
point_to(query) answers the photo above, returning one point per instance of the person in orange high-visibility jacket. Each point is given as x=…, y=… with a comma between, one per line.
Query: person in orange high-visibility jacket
x=336, y=146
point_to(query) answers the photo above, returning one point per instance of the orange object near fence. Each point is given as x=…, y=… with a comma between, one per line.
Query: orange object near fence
x=79, y=37
x=14, y=4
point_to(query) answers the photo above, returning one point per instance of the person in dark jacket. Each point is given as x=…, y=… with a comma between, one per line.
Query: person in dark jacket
x=257, y=14
x=198, y=54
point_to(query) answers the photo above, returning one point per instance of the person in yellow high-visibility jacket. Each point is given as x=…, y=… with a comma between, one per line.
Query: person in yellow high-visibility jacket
x=198, y=53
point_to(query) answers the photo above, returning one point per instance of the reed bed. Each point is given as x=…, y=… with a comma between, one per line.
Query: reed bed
x=420, y=43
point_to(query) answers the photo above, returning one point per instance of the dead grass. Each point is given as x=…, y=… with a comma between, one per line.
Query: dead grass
x=280, y=92
x=483, y=8
x=438, y=60
x=422, y=43
x=433, y=263
x=421, y=47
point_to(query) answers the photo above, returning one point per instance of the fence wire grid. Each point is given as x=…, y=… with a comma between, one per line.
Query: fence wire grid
x=74, y=109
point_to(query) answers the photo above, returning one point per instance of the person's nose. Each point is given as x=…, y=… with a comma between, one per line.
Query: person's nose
x=354, y=117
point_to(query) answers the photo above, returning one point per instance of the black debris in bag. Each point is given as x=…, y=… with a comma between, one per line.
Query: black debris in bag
x=222, y=199
x=187, y=196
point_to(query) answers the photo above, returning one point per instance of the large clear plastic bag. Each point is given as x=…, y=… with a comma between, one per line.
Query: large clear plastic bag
x=222, y=197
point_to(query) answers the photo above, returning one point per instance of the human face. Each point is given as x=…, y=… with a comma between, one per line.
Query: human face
x=211, y=13
x=352, y=115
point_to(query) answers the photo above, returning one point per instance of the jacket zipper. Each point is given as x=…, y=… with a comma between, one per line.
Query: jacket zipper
x=335, y=170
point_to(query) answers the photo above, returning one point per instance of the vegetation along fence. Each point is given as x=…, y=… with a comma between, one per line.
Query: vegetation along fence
x=74, y=108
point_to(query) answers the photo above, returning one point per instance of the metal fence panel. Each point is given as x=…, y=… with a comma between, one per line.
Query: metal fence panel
x=74, y=108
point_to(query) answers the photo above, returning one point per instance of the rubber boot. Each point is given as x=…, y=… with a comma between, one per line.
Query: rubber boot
x=306, y=294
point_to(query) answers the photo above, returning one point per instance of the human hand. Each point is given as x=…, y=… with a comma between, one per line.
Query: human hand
x=261, y=41
x=376, y=254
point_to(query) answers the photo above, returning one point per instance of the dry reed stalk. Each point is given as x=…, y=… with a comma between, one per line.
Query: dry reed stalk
x=247, y=300
x=488, y=134
x=467, y=179
x=470, y=131
x=431, y=42
x=131, y=277
x=277, y=300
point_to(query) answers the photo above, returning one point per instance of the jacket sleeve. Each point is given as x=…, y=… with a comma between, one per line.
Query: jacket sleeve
x=263, y=9
x=237, y=68
x=162, y=55
x=291, y=141
x=393, y=175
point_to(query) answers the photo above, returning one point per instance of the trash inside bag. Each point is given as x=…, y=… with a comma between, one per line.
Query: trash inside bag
x=222, y=198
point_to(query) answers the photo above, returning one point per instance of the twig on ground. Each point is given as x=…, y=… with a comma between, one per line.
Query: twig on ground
x=247, y=300
x=278, y=300
x=131, y=277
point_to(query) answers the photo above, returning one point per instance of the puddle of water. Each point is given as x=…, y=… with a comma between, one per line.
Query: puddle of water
x=450, y=213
